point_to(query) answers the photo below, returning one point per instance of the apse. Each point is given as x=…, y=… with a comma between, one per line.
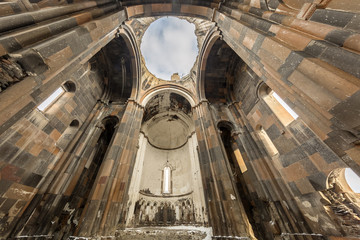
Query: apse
x=167, y=188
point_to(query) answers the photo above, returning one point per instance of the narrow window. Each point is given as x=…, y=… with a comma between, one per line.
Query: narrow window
x=282, y=111
x=167, y=180
x=287, y=108
x=51, y=99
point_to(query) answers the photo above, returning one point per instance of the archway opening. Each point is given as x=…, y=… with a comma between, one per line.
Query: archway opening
x=219, y=70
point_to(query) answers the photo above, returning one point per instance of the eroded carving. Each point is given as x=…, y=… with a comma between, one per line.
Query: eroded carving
x=159, y=212
x=10, y=73
x=341, y=204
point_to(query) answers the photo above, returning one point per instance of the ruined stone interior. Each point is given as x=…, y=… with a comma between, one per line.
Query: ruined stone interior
x=121, y=154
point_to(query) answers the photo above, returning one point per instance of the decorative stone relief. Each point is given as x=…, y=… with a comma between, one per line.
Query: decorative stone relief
x=341, y=204
x=161, y=212
x=10, y=73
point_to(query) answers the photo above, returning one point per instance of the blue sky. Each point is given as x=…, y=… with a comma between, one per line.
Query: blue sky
x=353, y=180
x=169, y=45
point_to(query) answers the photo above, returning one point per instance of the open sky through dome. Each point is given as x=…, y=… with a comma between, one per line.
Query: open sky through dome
x=169, y=46
x=352, y=179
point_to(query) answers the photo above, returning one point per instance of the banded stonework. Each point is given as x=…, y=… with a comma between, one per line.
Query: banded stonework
x=91, y=164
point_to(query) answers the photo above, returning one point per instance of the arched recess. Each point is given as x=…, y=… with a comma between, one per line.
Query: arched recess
x=204, y=52
x=119, y=64
x=68, y=134
x=237, y=167
x=164, y=88
x=216, y=68
x=127, y=33
x=71, y=214
x=166, y=187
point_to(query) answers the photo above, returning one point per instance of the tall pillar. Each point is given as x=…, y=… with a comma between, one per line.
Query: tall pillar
x=226, y=213
x=265, y=184
x=107, y=202
x=41, y=213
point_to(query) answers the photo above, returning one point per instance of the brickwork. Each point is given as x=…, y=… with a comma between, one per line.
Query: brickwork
x=289, y=68
x=29, y=147
x=61, y=179
x=219, y=189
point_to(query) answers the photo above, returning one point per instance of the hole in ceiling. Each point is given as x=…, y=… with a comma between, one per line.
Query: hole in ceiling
x=352, y=179
x=169, y=46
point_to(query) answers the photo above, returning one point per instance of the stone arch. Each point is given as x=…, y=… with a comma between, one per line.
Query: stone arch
x=262, y=90
x=68, y=134
x=204, y=52
x=110, y=120
x=167, y=141
x=119, y=63
x=226, y=124
x=216, y=69
x=200, y=9
x=130, y=41
x=146, y=97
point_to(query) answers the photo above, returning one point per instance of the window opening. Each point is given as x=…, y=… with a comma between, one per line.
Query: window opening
x=287, y=108
x=167, y=180
x=51, y=99
x=280, y=108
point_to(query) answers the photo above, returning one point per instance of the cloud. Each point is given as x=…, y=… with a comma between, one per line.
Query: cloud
x=169, y=45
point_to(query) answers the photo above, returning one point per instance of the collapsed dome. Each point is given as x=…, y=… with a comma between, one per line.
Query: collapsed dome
x=169, y=46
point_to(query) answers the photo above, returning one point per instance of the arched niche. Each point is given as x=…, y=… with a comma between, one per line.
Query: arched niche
x=80, y=195
x=237, y=167
x=69, y=86
x=166, y=187
x=118, y=63
x=217, y=62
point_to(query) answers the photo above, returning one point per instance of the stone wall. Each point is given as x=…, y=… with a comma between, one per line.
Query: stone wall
x=30, y=151
x=306, y=51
